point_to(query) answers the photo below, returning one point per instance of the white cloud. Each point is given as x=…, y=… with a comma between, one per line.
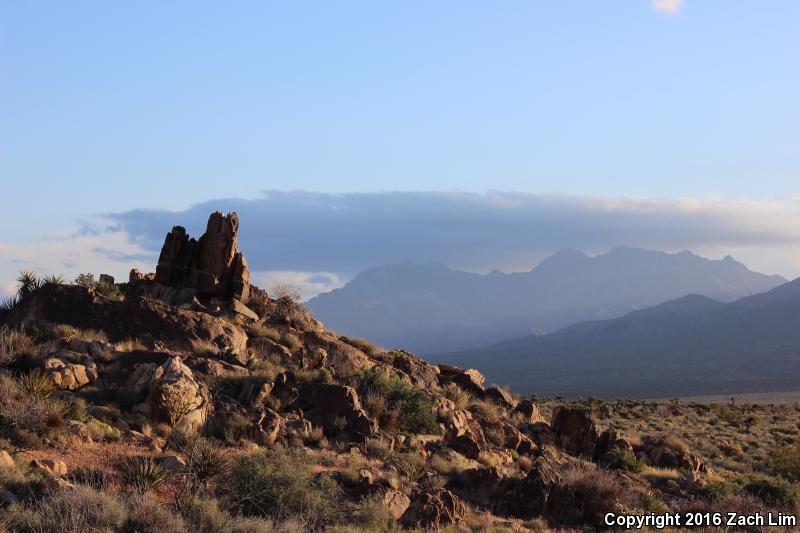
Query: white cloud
x=671, y=7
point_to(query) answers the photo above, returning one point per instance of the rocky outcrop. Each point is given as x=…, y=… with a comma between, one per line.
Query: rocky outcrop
x=211, y=264
x=343, y=359
x=529, y=412
x=576, y=431
x=137, y=318
x=434, y=509
x=530, y=496
x=500, y=396
x=660, y=452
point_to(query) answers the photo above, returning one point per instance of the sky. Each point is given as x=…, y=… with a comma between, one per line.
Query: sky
x=352, y=134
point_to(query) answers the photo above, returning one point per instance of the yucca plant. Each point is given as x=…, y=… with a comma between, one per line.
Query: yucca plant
x=141, y=473
x=37, y=385
x=27, y=283
x=205, y=461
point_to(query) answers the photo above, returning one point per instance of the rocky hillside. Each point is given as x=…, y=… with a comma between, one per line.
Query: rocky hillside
x=431, y=308
x=190, y=400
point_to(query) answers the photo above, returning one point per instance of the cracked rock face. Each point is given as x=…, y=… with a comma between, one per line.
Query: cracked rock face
x=212, y=264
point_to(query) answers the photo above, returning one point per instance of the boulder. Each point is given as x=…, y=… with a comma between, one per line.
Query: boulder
x=420, y=373
x=51, y=466
x=500, y=396
x=323, y=402
x=343, y=359
x=529, y=497
x=237, y=307
x=576, y=431
x=396, y=502
x=470, y=380
x=529, y=411
x=211, y=264
x=69, y=376
x=6, y=461
x=434, y=509
x=464, y=434
x=608, y=440
x=443, y=408
x=173, y=395
x=267, y=428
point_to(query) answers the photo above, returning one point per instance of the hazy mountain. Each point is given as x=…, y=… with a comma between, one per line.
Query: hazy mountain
x=431, y=308
x=692, y=345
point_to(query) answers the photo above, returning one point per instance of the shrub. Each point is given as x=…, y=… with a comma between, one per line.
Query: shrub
x=28, y=282
x=775, y=491
x=205, y=461
x=85, y=280
x=148, y=516
x=109, y=290
x=457, y=395
x=141, y=473
x=13, y=343
x=622, y=459
x=595, y=492
x=77, y=509
x=413, y=409
x=7, y=305
x=96, y=478
x=785, y=462
x=37, y=385
x=280, y=484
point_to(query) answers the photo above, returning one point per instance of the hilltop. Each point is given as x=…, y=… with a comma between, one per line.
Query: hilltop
x=189, y=399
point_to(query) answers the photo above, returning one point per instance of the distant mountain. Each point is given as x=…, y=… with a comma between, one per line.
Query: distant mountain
x=692, y=345
x=431, y=308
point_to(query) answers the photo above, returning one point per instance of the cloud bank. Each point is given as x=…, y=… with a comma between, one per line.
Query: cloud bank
x=318, y=241
x=671, y=7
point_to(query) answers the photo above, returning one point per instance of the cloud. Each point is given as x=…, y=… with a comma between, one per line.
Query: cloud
x=671, y=7
x=306, y=232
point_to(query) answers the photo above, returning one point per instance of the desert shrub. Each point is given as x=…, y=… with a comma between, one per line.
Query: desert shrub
x=13, y=343
x=109, y=290
x=257, y=329
x=413, y=409
x=85, y=280
x=622, y=459
x=378, y=449
x=371, y=514
x=361, y=344
x=280, y=484
x=76, y=509
x=148, y=516
x=676, y=443
x=595, y=492
x=409, y=465
x=487, y=410
x=457, y=395
x=37, y=385
x=141, y=474
x=100, y=431
x=785, y=462
x=96, y=478
x=775, y=491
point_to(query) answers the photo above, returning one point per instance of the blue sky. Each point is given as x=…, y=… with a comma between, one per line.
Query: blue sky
x=109, y=107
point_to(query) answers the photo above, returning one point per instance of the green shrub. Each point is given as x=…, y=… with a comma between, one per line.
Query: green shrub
x=37, y=385
x=148, y=516
x=205, y=461
x=85, y=280
x=622, y=459
x=280, y=484
x=96, y=478
x=361, y=344
x=413, y=410
x=457, y=395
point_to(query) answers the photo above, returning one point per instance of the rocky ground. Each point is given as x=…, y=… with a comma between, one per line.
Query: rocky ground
x=189, y=400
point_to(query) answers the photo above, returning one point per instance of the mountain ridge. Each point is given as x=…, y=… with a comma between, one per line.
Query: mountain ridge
x=441, y=309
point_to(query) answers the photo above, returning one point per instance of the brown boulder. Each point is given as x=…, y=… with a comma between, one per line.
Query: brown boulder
x=529, y=411
x=469, y=379
x=396, y=502
x=464, y=434
x=211, y=264
x=268, y=427
x=576, y=431
x=608, y=440
x=528, y=497
x=69, y=376
x=325, y=402
x=434, y=509
x=173, y=395
x=421, y=373
x=500, y=396
x=343, y=359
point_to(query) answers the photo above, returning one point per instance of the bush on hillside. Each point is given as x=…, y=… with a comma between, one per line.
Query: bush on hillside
x=406, y=404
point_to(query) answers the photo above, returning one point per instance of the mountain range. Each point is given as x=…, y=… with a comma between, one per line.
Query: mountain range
x=691, y=345
x=431, y=308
